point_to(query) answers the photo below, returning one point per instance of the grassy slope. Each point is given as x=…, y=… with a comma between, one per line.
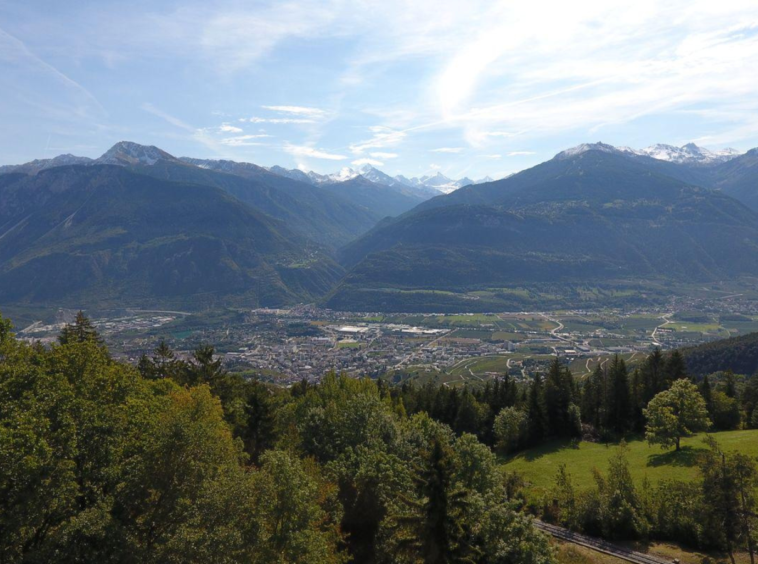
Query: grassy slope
x=539, y=465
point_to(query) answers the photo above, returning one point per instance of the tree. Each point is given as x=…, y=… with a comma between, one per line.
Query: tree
x=749, y=399
x=80, y=331
x=728, y=482
x=204, y=369
x=675, y=413
x=510, y=428
x=440, y=535
x=675, y=368
x=618, y=404
x=593, y=395
x=726, y=411
x=707, y=392
x=730, y=384
x=559, y=395
x=622, y=512
x=536, y=410
x=565, y=496
x=259, y=430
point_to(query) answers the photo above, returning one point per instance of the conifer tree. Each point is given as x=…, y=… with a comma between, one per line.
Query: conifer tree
x=618, y=406
x=536, y=407
x=80, y=331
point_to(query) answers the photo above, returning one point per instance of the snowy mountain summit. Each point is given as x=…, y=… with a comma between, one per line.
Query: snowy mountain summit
x=127, y=153
x=686, y=154
x=689, y=153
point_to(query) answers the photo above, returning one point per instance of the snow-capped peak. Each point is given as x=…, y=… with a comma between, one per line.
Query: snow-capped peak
x=127, y=153
x=584, y=147
x=344, y=174
x=686, y=154
x=689, y=153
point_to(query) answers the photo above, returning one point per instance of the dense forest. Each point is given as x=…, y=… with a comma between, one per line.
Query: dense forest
x=738, y=354
x=179, y=462
x=176, y=460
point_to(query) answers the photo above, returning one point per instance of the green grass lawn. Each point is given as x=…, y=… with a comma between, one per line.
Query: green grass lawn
x=539, y=465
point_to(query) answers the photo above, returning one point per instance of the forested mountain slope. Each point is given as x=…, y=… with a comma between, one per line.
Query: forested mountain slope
x=96, y=234
x=587, y=217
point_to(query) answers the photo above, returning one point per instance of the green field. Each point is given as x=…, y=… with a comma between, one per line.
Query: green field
x=539, y=465
x=482, y=365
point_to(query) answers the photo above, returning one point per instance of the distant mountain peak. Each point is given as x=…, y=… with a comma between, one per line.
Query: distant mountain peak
x=128, y=153
x=686, y=154
x=37, y=165
x=584, y=147
x=689, y=154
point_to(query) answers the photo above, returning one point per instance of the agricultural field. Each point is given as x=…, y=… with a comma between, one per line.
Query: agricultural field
x=539, y=465
x=583, y=366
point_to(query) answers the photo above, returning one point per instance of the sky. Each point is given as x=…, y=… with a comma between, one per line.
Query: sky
x=466, y=88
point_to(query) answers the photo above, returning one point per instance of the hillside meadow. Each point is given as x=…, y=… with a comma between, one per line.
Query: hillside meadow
x=540, y=465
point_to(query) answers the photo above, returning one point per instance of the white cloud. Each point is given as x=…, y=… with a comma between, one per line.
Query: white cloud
x=372, y=162
x=383, y=137
x=243, y=140
x=447, y=150
x=296, y=110
x=304, y=151
x=226, y=128
x=381, y=155
x=149, y=108
x=278, y=120
x=520, y=153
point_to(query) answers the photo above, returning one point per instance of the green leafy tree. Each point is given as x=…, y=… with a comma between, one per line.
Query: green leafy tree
x=729, y=481
x=725, y=412
x=678, y=412
x=565, y=497
x=511, y=426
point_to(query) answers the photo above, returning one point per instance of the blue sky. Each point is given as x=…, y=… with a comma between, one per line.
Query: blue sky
x=464, y=87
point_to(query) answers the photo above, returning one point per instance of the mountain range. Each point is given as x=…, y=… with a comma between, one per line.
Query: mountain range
x=138, y=225
x=428, y=186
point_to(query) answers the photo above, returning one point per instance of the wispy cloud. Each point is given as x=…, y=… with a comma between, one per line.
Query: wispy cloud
x=447, y=150
x=278, y=120
x=385, y=156
x=42, y=85
x=304, y=151
x=362, y=162
x=296, y=110
x=383, y=137
x=244, y=140
x=149, y=108
x=520, y=153
x=227, y=128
